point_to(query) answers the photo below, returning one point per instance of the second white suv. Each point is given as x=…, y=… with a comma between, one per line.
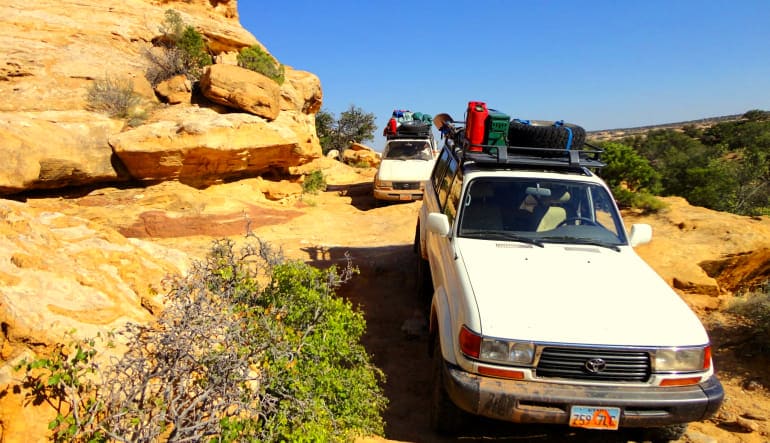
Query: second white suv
x=541, y=311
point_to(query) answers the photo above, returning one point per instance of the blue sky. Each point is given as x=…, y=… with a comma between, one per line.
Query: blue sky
x=600, y=64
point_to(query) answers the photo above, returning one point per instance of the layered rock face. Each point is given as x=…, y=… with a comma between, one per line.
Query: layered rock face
x=56, y=50
x=62, y=273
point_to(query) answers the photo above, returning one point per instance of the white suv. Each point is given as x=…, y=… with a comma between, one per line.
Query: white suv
x=405, y=166
x=541, y=311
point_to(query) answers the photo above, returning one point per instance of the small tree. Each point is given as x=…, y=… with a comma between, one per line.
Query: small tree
x=181, y=50
x=353, y=126
x=630, y=176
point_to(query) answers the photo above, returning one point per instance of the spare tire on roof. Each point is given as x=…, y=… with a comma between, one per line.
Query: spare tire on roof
x=545, y=134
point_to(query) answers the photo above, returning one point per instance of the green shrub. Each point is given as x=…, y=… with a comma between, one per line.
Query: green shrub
x=314, y=182
x=112, y=96
x=249, y=347
x=180, y=51
x=257, y=60
x=65, y=381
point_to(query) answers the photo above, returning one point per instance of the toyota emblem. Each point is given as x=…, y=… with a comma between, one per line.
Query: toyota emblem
x=595, y=365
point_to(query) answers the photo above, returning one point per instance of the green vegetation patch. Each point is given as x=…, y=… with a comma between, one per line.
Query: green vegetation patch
x=250, y=347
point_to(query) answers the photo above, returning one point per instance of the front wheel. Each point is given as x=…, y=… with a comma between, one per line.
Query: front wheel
x=424, y=279
x=445, y=416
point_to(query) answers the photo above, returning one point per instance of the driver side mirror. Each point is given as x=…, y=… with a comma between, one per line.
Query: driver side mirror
x=438, y=223
x=641, y=233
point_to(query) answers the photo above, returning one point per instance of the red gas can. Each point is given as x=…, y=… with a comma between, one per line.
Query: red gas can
x=475, y=119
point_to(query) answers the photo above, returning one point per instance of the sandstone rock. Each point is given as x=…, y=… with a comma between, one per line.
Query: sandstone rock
x=59, y=48
x=66, y=274
x=201, y=147
x=55, y=149
x=242, y=89
x=686, y=235
x=175, y=90
x=301, y=91
x=280, y=190
x=358, y=154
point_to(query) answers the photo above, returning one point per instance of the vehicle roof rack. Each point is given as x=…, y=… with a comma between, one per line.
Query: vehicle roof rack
x=581, y=160
x=526, y=156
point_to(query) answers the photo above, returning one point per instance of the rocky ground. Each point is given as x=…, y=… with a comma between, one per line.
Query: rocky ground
x=324, y=227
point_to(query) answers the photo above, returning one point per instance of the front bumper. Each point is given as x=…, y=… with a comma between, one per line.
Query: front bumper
x=542, y=402
x=398, y=195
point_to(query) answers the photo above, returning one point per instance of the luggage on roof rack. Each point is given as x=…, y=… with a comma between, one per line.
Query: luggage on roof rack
x=555, y=145
x=403, y=123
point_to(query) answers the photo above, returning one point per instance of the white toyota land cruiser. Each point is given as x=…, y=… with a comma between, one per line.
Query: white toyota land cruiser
x=541, y=311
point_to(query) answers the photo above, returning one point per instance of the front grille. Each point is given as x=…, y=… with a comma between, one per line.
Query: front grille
x=612, y=365
x=405, y=186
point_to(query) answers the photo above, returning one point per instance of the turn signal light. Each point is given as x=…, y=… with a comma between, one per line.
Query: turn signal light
x=501, y=373
x=680, y=381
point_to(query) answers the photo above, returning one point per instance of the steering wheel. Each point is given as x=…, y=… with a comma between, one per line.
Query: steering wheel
x=575, y=219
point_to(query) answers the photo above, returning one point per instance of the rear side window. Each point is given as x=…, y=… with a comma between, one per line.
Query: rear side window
x=446, y=182
x=453, y=199
x=440, y=169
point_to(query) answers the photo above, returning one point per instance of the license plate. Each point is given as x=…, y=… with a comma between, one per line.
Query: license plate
x=593, y=417
x=404, y=197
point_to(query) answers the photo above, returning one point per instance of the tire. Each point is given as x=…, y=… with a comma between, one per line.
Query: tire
x=663, y=434
x=423, y=278
x=545, y=135
x=445, y=417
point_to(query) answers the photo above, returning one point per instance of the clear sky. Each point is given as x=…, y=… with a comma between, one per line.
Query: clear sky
x=601, y=64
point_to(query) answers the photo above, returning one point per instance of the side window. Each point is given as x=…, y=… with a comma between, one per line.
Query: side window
x=446, y=182
x=440, y=169
x=453, y=202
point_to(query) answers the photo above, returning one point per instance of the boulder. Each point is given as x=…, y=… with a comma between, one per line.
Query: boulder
x=56, y=149
x=358, y=154
x=301, y=91
x=200, y=147
x=241, y=89
x=177, y=89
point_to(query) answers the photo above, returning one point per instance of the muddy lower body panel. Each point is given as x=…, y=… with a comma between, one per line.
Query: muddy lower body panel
x=542, y=402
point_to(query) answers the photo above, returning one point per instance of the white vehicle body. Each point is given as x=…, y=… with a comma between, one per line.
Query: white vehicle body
x=541, y=310
x=405, y=165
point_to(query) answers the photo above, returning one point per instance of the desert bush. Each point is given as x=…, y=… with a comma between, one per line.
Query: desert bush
x=754, y=307
x=181, y=50
x=249, y=347
x=65, y=380
x=113, y=96
x=314, y=182
x=257, y=60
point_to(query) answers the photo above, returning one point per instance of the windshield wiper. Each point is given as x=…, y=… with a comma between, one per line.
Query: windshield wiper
x=504, y=235
x=582, y=241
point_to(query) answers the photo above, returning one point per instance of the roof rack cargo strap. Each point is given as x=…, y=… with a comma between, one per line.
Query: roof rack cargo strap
x=560, y=124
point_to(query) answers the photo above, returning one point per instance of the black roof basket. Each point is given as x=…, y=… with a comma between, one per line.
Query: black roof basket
x=577, y=160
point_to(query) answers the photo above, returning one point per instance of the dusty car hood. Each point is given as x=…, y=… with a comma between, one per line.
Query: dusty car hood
x=575, y=294
x=405, y=170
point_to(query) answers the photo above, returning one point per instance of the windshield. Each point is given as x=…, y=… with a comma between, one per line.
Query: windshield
x=408, y=150
x=545, y=211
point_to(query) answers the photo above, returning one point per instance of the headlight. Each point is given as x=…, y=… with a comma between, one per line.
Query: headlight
x=383, y=183
x=504, y=351
x=682, y=360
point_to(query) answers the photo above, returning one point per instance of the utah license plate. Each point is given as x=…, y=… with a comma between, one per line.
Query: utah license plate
x=404, y=197
x=594, y=417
